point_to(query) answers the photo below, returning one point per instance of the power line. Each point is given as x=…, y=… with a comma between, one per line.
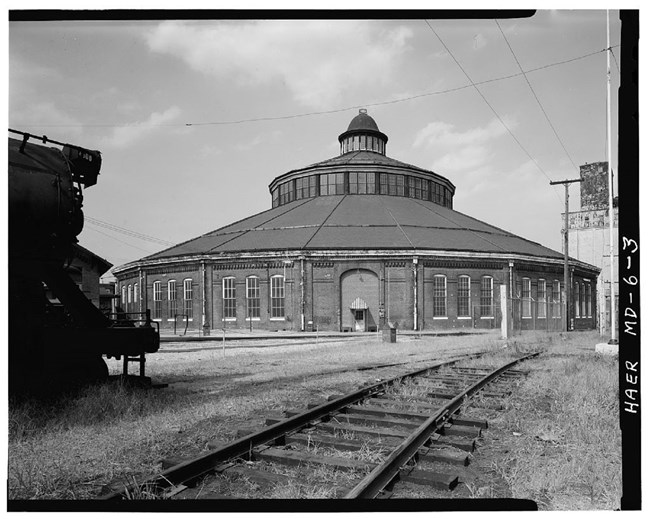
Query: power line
x=127, y=232
x=121, y=241
x=489, y=105
x=322, y=112
x=535, y=95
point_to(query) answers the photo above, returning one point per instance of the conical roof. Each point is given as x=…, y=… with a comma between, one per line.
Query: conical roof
x=358, y=222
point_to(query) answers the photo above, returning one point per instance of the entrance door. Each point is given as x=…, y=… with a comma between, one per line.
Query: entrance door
x=360, y=320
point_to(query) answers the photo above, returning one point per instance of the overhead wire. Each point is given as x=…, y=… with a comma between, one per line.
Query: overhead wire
x=127, y=232
x=490, y=106
x=121, y=241
x=539, y=103
x=323, y=112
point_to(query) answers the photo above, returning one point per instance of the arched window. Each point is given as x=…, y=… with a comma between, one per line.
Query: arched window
x=157, y=300
x=129, y=294
x=463, y=296
x=229, y=299
x=526, y=299
x=252, y=297
x=188, y=309
x=487, y=296
x=171, y=299
x=576, y=299
x=439, y=295
x=541, y=298
x=277, y=297
x=135, y=296
x=123, y=295
x=557, y=303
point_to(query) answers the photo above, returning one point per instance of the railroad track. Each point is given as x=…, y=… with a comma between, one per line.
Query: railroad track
x=376, y=442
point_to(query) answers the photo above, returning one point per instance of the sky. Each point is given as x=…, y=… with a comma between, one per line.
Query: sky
x=195, y=118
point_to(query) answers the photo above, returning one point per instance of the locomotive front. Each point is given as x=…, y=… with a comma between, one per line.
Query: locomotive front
x=45, y=217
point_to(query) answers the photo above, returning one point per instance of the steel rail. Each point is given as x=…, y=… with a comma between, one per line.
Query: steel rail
x=385, y=472
x=202, y=465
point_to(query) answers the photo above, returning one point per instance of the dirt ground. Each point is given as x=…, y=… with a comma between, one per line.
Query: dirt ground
x=213, y=389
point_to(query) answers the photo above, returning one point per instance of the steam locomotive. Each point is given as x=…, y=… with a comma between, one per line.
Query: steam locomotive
x=50, y=350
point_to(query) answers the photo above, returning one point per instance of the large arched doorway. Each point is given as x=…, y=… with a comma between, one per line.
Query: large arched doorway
x=359, y=300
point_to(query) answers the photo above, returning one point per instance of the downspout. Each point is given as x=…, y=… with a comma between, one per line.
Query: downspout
x=139, y=289
x=302, y=293
x=415, y=293
x=204, y=307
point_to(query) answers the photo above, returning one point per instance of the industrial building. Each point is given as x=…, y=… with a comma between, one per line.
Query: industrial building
x=589, y=235
x=358, y=242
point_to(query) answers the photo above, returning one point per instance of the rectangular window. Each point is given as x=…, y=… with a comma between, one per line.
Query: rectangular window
x=576, y=299
x=588, y=299
x=354, y=183
x=187, y=298
x=525, y=298
x=541, y=298
x=299, y=188
x=383, y=183
x=464, y=296
x=123, y=295
x=129, y=296
x=252, y=297
x=583, y=302
x=323, y=185
x=486, y=296
x=277, y=297
x=313, y=179
x=276, y=197
x=229, y=298
x=400, y=185
x=171, y=299
x=157, y=300
x=439, y=296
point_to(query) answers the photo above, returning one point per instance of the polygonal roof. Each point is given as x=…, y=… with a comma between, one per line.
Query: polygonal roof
x=359, y=222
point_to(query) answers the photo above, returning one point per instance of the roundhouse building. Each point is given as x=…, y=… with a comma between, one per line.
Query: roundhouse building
x=357, y=243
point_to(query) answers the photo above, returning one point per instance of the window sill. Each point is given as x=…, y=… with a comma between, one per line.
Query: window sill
x=230, y=319
x=443, y=317
x=464, y=317
x=278, y=319
x=253, y=319
x=487, y=317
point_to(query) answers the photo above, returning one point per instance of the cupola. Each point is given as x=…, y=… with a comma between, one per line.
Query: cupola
x=363, y=135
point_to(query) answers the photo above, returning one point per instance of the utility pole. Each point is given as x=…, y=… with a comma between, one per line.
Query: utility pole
x=610, y=174
x=567, y=288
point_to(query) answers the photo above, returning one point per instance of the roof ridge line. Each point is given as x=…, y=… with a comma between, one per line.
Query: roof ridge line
x=469, y=230
x=400, y=227
x=323, y=222
x=263, y=223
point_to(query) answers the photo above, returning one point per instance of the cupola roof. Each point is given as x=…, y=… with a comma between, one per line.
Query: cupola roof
x=363, y=124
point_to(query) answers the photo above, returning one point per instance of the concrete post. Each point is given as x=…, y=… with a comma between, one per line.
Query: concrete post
x=505, y=314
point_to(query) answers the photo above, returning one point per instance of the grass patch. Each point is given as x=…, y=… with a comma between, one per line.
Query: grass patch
x=562, y=440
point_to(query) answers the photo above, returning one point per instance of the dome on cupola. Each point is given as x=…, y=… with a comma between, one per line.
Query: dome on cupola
x=363, y=122
x=363, y=135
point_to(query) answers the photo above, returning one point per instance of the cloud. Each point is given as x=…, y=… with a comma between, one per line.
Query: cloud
x=125, y=136
x=317, y=60
x=34, y=117
x=461, y=150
